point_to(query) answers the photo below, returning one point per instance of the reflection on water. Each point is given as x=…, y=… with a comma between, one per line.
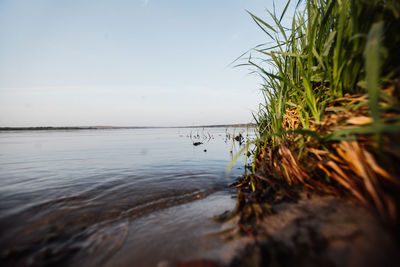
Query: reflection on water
x=80, y=196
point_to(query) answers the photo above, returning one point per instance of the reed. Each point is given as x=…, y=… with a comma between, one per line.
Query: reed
x=331, y=82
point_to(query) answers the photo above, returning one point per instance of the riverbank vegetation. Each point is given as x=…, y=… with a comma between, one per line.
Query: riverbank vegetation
x=330, y=122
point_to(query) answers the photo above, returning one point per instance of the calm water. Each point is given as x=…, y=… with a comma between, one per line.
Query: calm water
x=112, y=197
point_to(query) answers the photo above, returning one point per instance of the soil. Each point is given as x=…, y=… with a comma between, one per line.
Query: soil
x=320, y=231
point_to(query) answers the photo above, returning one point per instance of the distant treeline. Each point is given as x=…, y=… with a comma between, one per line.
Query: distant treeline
x=64, y=128
x=117, y=127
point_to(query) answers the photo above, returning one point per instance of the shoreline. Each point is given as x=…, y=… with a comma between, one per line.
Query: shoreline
x=316, y=230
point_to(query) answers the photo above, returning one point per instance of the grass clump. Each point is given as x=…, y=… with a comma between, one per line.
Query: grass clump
x=330, y=120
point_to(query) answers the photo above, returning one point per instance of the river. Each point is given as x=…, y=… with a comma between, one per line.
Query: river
x=114, y=197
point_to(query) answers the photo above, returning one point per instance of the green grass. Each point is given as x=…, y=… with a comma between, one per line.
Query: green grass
x=332, y=48
x=330, y=118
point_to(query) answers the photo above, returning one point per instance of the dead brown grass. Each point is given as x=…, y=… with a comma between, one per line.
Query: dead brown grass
x=352, y=168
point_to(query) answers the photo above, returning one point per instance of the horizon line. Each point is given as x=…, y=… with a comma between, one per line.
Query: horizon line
x=104, y=127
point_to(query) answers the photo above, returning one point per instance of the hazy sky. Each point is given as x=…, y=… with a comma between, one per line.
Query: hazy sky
x=127, y=62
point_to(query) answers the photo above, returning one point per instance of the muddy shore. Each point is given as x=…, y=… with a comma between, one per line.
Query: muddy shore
x=321, y=231
x=312, y=231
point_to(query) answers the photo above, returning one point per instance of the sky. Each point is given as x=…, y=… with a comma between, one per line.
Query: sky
x=127, y=62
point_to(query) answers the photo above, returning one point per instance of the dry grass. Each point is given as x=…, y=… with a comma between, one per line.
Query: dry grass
x=353, y=168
